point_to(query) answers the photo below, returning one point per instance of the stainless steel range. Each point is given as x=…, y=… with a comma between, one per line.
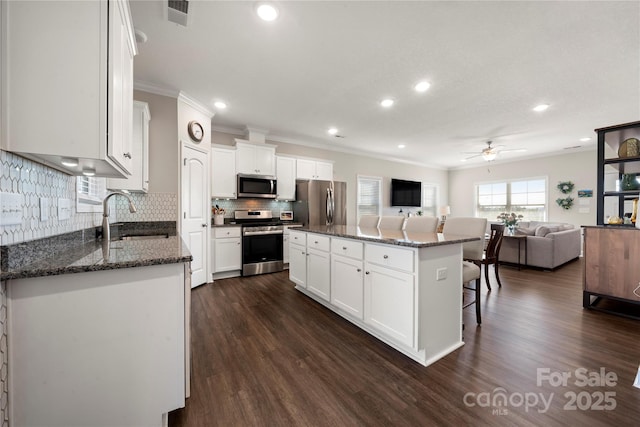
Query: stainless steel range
x=262, y=237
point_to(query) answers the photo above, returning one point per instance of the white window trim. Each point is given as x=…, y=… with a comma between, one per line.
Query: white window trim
x=92, y=202
x=373, y=178
x=508, y=181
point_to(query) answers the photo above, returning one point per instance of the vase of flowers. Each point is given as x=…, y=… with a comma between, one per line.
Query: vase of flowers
x=510, y=220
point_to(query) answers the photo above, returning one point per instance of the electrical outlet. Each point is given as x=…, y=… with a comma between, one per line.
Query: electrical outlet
x=44, y=209
x=441, y=273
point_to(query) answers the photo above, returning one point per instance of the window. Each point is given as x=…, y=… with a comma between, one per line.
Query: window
x=369, y=196
x=429, y=199
x=526, y=197
x=90, y=192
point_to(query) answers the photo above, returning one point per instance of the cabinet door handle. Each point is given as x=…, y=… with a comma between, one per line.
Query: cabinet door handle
x=302, y=252
x=344, y=248
x=359, y=270
x=237, y=243
x=385, y=256
x=366, y=272
x=127, y=155
x=315, y=242
x=204, y=225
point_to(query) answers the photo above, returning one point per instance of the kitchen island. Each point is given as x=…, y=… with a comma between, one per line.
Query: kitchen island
x=95, y=341
x=405, y=288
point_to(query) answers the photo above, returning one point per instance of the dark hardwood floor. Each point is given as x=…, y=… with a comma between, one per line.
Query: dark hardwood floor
x=266, y=355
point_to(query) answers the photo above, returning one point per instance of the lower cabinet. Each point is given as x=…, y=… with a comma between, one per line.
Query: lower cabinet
x=318, y=277
x=227, y=249
x=347, y=277
x=298, y=265
x=389, y=302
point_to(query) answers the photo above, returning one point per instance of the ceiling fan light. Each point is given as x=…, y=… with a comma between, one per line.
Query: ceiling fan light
x=489, y=155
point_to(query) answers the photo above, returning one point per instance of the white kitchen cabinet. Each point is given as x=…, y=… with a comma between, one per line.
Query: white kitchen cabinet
x=255, y=159
x=347, y=280
x=286, y=177
x=314, y=169
x=139, y=179
x=285, y=249
x=298, y=257
x=389, y=302
x=223, y=173
x=103, y=338
x=84, y=111
x=228, y=249
x=318, y=272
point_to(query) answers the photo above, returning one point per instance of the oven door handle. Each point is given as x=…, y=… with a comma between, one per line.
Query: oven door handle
x=260, y=233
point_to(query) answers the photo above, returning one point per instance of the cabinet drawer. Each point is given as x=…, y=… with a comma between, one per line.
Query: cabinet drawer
x=389, y=256
x=319, y=242
x=347, y=248
x=223, y=232
x=298, y=238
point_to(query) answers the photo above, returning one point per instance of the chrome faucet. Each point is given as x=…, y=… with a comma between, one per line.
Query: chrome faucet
x=106, y=230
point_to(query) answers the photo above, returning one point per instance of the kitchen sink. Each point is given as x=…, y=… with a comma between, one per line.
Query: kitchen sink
x=144, y=237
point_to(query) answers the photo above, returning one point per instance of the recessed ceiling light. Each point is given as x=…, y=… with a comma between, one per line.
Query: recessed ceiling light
x=332, y=131
x=69, y=162
x=387, y=102
x=220, y=105
x=540, y=107
x=422, y=86
x=401, y=145
x=267, y=12
x=585, y=139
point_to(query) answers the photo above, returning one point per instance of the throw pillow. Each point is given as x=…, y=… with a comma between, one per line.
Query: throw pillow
x=543, y=230
x=525, y=231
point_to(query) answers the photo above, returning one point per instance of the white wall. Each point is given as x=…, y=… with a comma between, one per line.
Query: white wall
x=577, y=167
x=164, y=148
x=347, y=166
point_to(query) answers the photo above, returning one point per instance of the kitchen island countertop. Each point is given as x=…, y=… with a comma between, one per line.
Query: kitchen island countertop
x=410, y=239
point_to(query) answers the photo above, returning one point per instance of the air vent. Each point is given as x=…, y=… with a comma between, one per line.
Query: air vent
x=178, y=11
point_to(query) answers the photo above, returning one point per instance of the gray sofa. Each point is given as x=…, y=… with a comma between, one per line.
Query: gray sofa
x=549, y=245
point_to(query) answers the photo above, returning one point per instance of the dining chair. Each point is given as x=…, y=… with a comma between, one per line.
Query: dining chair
x=474, y=227
x=368, y=221
x=425, y=224
x=391, y=222
x=491, y=253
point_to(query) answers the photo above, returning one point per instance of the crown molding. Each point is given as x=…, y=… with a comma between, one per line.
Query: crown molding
x=193, y=103
x=155, y=89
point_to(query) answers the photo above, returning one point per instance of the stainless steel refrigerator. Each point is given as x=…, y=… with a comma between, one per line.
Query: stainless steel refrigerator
x=320, y=203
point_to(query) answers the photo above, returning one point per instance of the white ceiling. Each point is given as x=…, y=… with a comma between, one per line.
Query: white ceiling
x=325, y=64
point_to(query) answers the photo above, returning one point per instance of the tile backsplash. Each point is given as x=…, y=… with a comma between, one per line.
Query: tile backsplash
x=231, y=205
x=34, y=181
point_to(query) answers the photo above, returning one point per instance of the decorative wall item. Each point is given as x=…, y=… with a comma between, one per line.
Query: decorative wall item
x=585, y=193
x=566, y=187
x=565, y=203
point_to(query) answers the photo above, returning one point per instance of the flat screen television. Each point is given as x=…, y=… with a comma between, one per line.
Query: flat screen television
x=406, y=193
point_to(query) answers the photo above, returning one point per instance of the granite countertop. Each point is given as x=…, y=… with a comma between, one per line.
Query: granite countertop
x=81, y=251
x=391, y=237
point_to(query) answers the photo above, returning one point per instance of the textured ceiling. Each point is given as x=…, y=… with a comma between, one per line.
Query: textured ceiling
x=325, y=64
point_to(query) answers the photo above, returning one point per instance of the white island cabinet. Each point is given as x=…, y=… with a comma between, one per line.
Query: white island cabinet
x=68, y=74
x=385, y=283
x=99, y=348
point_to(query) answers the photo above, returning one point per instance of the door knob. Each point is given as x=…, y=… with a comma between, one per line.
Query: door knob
x=204, y=225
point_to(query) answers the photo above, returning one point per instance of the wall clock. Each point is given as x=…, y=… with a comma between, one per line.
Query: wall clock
x=196, y=132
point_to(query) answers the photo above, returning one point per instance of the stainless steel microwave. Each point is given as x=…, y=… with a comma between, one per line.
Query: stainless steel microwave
x=259, y=186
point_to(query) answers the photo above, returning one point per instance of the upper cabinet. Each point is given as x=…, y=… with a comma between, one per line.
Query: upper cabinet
x=68, y=72
x=314, y=169
x=255, y=159
x=618, y=170
x=139, y=179
x=286, y=177
x=223, y=173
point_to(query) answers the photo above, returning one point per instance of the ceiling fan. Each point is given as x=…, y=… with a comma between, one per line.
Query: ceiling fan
x=491, y=152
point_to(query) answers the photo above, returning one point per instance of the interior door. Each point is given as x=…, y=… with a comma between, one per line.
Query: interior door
x=195, y=210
